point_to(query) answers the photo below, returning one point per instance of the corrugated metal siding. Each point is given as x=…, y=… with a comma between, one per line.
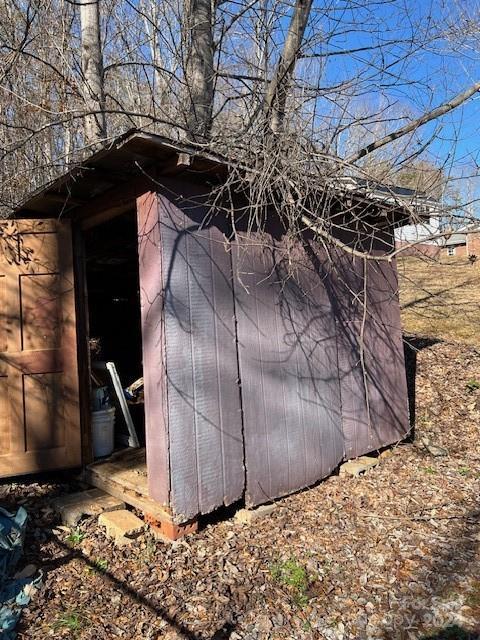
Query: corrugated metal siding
x=205, y=427
x=385, y=356
x=302, y=384
x=289, y=373
x=384, y=371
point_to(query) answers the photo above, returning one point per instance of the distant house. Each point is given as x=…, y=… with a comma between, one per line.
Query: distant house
x=419, y=239
x=463, y=242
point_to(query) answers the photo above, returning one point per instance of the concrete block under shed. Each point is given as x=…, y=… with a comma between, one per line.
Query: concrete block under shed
x=247, y=516
x=358, y=466
x=123, y=526
x=73, y=506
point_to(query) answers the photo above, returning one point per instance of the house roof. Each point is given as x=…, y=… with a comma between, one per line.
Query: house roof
x=456, y=239
x=459, y=236
x=138, y=154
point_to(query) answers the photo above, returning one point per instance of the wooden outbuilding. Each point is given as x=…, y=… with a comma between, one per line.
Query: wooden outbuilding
x=258, y=382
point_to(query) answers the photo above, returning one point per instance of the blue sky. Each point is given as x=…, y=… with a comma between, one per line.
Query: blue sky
x=414, y=74
x=420, y=74
x=431, y=73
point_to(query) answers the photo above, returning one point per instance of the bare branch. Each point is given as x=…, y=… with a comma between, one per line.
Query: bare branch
x=415, y=124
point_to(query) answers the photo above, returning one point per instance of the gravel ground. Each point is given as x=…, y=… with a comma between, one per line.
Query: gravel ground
x=392, y=554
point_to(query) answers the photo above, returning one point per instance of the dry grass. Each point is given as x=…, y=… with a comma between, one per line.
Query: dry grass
x=440, y=298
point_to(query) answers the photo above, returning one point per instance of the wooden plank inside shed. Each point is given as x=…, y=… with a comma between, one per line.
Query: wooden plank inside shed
x=124, y=475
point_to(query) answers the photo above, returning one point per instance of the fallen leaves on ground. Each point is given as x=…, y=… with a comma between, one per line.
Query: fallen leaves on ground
x=392, y=554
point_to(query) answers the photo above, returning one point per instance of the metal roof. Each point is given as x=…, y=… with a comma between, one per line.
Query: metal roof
x=455, y=239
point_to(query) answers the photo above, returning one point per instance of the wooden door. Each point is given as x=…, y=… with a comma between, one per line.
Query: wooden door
x=39, y=407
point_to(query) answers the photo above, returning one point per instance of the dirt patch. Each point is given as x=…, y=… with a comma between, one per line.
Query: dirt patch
x=392, y=554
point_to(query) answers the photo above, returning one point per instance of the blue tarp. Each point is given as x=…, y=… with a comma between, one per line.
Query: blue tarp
x=14, y=592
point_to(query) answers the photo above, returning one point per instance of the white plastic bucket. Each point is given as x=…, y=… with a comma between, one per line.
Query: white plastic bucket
x=102, y=431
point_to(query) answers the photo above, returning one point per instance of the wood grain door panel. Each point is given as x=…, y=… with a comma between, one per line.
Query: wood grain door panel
x=39, y=407
x=3, y=302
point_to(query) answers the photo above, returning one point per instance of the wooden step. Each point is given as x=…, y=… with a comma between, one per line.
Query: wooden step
x=124, y=476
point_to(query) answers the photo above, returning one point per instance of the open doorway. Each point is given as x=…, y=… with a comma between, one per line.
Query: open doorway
x=114, y=315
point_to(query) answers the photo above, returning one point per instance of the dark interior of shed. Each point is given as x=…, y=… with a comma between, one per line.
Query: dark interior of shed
x=113, y=289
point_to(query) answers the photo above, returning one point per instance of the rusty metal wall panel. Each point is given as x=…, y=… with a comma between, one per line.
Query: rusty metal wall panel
x=289, y=371
x=379, y=416
x=204, y=415
x=388, y=396
x=303, y=393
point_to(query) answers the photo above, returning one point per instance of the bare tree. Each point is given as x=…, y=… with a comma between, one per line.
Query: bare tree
x=92, y=72
x=199, y=68
x=415, y=124
x=229, y=75
x=278, y=88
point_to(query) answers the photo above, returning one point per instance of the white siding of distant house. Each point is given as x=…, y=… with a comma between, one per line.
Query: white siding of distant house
x=416, y=232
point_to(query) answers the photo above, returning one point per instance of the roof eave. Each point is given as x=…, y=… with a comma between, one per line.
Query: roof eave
x=138, y=154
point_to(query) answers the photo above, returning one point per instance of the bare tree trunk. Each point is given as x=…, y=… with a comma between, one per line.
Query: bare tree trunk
x=92, y=71
x=199, y=69
x=151, y=20
x=277, y=92
x=67, y=142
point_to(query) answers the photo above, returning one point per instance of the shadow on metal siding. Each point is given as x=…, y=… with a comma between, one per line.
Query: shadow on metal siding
x=302, y=386
x=153, y=345
x=289, y=372
x=384, y=371
x=205, y=427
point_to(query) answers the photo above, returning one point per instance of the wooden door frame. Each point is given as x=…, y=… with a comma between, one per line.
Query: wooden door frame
x=83, y=351
x=79, y=227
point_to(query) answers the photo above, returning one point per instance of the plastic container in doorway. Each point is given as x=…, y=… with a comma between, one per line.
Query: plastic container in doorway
x=103, y=432
x=100, y=399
